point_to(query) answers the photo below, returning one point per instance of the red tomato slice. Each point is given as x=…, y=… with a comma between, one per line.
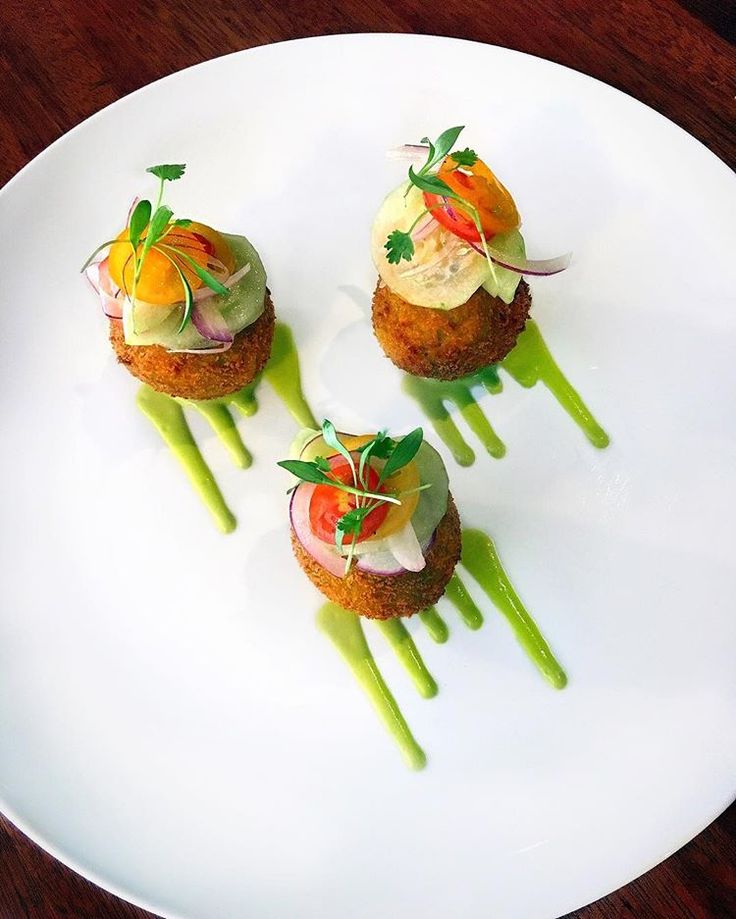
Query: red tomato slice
x=478, y=186
x=328, y=504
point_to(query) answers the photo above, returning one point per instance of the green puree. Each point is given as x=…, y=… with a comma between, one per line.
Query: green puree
x=346, y=633
x=167, y=415
x=530, y=362
x=480, y=558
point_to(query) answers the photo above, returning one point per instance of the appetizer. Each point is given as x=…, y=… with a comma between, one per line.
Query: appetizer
x=451, y=298
x=373, y=523
x=189, y=311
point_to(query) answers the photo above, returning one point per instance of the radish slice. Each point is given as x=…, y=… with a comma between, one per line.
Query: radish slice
x=539, y=267
x=385, y=563
x=209, y=322
x=321, y=552
x=405, y=548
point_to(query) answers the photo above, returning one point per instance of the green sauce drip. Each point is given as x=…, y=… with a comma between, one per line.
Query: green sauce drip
x=432, y=395
x=168, y=418
x=457, y=593
x=481, y=560
x=435, y=625
x=401, y=641
x=221, y=421
x=531, y=362
x=282, y=372
x=346, y=633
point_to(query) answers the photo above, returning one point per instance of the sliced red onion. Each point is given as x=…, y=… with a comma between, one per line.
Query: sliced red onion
x=111, y=298
x=209, y=322
x=204, y=293
x=424, y=229
x=539, y=267
x=324, y=554
x=415, y=153
x=132, y=207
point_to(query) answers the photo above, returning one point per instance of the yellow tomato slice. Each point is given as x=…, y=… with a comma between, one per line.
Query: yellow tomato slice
x=159, y=281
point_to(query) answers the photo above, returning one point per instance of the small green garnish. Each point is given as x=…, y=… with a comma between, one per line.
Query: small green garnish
x=466, y=157
x=399, y=244
x=168, y=172
x=148, y=228
x=396, y=453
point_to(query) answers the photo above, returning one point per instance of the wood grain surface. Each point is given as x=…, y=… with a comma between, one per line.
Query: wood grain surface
x=62, y=60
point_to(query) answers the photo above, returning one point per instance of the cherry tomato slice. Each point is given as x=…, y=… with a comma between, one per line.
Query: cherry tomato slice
x=478, y=186
x=328, y=504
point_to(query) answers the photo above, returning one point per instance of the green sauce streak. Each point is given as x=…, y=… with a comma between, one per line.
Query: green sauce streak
x=432, y=395
x=531, y=362
x=168, y=418
x=435, y=625
x=223, y=425
x=401, y=641
x=457, y=593
x=481, y=560
x=282, y=372
x=346, y=633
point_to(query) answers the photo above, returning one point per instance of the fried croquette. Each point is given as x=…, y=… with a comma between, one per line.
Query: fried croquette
x=447, y=344
x=200, y=376
x=386, y=596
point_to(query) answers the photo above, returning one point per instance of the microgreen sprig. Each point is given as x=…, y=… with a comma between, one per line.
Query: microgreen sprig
x=149, y=228
x=396, y=453
x=399, y=244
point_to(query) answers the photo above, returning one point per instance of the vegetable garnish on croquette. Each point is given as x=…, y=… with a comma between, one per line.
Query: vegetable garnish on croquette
x=373, y=523
x=173, y=286
x=448, y=239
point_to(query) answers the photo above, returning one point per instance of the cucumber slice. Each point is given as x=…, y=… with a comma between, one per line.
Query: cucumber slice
x=240, y=307
x=444, y=272
x=506, y=282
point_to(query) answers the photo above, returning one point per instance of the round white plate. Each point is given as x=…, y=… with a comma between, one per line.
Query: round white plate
x=172, y=724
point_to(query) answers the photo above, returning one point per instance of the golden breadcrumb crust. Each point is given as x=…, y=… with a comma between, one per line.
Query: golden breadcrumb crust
x=386, y=596
x=447, y=344
x=200, y=376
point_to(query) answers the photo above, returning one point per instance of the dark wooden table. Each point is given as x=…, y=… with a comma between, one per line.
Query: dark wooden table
x=62, y=60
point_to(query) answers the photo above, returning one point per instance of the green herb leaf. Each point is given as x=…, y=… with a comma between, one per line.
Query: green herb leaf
x=332, y=440
x=168, y=172
x=307, y=472
x=202, y=273
x=139, y=220
x=441, y=147
x=403, y=453
x=182, y=222
x=321, y=463
x=398, y=245
x=432, y=184
x=381, y=445
x=466, y=157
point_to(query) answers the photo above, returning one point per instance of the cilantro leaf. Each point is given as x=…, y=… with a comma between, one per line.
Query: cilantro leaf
x=466, y=157
x=398, y=245
x=321, y=463
x=168, y=172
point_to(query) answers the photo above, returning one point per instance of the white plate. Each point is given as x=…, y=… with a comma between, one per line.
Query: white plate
x=172, y=724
